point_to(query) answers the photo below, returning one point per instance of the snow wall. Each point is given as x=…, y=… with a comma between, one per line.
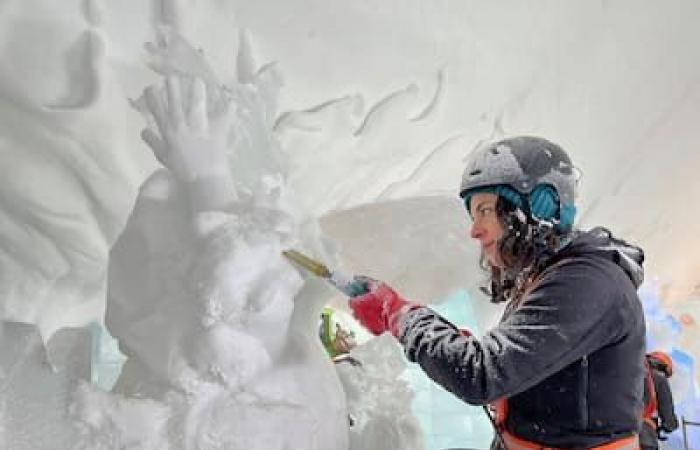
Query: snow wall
x=375, y=104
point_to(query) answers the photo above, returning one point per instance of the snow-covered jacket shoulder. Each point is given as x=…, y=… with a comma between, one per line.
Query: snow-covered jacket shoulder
x=569, y=356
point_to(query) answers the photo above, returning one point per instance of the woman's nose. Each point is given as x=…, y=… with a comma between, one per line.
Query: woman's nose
x=476, y=231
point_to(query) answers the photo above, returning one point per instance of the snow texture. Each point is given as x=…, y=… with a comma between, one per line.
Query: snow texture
x=617, y=90
x=202, y=300
x=379, y=400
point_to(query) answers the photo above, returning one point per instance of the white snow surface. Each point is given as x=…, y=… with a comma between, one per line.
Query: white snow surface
x=368, y=109
x=379, y=400
x=381, y=101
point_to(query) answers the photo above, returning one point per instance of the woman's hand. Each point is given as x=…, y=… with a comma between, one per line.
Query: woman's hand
x=380, y=309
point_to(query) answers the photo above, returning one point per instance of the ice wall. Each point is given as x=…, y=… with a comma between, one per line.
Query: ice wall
x=68, y=171
x=447, y=421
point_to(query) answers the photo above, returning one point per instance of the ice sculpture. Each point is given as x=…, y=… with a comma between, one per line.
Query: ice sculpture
x=379, y=401
x=36, y=385
x=222, y=351
x=71, y=160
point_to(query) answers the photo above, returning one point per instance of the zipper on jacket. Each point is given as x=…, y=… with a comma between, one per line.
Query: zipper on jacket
x=583, y=393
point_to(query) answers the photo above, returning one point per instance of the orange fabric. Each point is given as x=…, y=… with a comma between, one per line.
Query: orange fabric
x=651, y=405
x=500, y=412
x=665, y=359
x=512, y=442
x=628, y=443
x=515, y=443
x=651, y=422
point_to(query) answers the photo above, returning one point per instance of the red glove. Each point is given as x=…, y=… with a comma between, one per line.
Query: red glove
x=381, y=309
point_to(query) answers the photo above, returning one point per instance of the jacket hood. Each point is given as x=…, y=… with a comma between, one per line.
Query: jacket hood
x=600, y=241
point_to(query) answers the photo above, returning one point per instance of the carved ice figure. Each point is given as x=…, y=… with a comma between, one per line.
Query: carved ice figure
x=379, y=400
x=220, y=342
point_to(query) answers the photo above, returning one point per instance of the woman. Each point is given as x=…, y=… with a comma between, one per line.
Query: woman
x=564, y=367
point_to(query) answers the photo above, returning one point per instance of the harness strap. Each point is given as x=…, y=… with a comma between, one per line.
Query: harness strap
x=651, y=406
x=513, y=442
x=500, y=412
x=499, y=409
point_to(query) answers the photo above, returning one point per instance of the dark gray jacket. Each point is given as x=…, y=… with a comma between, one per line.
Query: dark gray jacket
x=569, y=357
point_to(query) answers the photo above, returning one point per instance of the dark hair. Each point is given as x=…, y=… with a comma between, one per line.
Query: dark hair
x=524, y=248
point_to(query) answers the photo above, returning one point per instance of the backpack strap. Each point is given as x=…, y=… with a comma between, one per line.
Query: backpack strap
x=651, y=406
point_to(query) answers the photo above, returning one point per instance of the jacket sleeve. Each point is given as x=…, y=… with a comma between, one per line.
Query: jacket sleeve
x=569, y=314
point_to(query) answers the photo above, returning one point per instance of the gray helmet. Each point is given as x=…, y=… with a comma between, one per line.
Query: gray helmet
x=522, y=163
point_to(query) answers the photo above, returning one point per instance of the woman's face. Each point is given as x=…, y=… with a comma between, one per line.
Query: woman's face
x=486, y=228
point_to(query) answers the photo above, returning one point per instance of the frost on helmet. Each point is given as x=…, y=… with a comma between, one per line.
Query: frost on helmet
x=522, y=163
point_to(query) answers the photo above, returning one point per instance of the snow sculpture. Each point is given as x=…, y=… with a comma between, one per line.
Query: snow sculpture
x=221, y=355
x=379, y=401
